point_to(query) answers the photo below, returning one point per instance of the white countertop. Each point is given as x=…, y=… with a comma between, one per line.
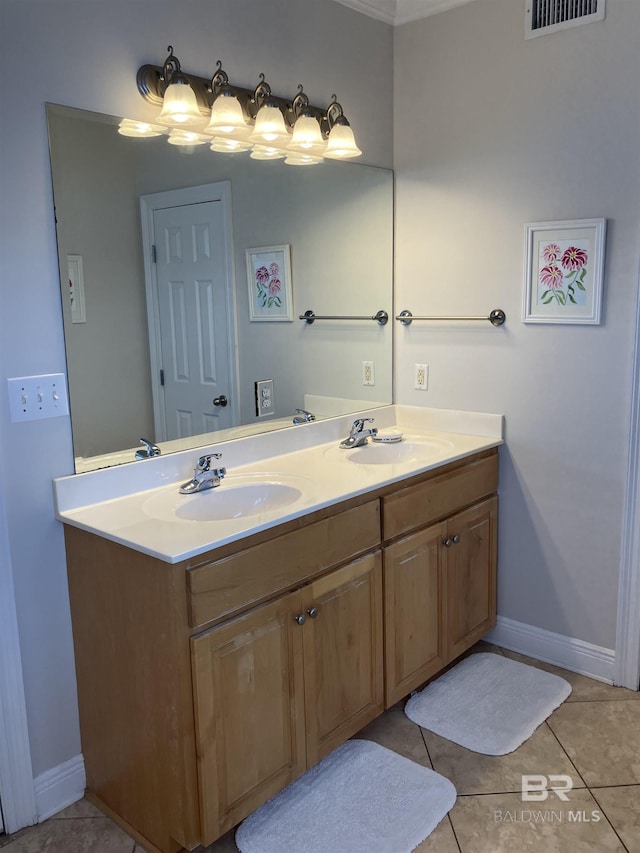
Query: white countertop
x=136, y=504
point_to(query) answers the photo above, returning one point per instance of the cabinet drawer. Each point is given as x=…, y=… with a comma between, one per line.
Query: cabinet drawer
x=242, y=580
x=438, y=497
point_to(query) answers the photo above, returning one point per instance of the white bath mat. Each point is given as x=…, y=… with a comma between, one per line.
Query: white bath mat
x=362, y=798
x=488, y=703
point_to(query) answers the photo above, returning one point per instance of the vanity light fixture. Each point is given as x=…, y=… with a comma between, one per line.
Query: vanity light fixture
x=307, y=136
x=179, y=104
x=243, y=119
x=341, y=144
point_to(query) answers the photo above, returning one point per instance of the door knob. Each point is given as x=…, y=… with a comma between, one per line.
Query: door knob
x=220, y=401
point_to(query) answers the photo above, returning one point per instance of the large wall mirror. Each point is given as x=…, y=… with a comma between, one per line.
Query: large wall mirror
x=159, y=249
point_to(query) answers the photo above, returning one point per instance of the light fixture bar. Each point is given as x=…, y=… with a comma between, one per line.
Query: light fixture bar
x=152, y=85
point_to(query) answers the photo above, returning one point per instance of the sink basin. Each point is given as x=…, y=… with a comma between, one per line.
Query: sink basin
x=233, y=498
x=413, y=450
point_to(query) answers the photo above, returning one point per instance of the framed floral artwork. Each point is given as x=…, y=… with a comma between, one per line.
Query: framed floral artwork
x=269, y=275
x=563, y=271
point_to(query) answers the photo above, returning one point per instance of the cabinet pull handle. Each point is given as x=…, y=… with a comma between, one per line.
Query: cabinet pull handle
x=300, y=618
x=447, y=542
x=313, y=612
x=455, y=538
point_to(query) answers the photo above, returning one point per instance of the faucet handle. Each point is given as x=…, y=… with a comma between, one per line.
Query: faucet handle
x=148, y=450
x=204, y=462
x=358, y=424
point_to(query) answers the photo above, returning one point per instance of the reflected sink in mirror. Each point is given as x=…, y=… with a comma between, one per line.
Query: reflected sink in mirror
x=235, y=497
x=396, y=453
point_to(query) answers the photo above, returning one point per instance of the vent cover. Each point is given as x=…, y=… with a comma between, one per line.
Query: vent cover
x=548, y=16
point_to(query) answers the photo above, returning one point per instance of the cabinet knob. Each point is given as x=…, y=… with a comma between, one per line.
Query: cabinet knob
x=447, y=542
x=300, y=618
x=455, y=538
x=313, y=612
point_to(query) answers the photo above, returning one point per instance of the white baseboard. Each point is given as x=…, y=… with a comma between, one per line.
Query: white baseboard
x=567, y=652
x=59, y=787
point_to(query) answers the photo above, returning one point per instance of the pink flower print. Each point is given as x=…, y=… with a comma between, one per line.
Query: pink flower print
x=574, y=259
x=262, y=275
x=551, y=276
x=551, y=252
x=274, y=269
x=274, y=285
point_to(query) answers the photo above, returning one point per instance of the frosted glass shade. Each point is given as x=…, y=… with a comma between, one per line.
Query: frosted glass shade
x=226, y=116
x=180, y=107
x=178, y=136
x=341, y=143
x=307, y=136
x=266, y=152
x=270, y=126
x=139, y=129
x=225, y=145
x=296, y=158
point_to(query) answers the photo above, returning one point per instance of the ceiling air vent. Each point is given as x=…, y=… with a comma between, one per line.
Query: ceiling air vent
x=548, y=16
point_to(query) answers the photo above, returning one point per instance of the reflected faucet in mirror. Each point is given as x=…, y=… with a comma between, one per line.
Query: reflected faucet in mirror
x=302, y=416
x=148, y=451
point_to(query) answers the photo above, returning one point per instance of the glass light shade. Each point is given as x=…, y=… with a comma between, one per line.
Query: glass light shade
x=296, y=158
x=341, y=143
x=180, y=107
x=140, y=129
x=226, y=116
x=307, y=136
x=266, y=152
x=225, y=145
x=270, y=126
x=178, y=136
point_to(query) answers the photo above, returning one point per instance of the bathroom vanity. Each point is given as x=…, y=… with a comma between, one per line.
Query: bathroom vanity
x=211, y=675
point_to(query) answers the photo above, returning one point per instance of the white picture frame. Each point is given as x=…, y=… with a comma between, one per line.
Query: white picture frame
x=269, y=280
x=563, y=273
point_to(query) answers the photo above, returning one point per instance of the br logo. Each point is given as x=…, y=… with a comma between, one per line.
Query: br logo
x=536, y=787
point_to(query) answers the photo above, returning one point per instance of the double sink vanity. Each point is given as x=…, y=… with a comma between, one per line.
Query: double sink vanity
x=226, y=640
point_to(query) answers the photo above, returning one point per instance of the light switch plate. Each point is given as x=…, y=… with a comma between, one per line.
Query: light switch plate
x=35, y=397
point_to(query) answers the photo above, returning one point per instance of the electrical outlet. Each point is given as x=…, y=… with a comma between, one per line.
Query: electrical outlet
x=368, y=373
x=421, y=377
x=265, y=404
x=34, y=397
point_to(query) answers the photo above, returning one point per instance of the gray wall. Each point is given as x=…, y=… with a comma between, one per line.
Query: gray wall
x=85, y=53
x=492, y=132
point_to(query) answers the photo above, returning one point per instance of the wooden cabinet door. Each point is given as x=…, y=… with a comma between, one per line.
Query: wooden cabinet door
x=343, y=662
x=414, y=611
x=471, y=576
x=249, y=711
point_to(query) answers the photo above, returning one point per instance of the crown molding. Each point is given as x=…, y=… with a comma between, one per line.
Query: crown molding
x=397, y=12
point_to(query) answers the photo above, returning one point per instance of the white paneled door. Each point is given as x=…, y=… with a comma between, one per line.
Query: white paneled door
x=192, y=283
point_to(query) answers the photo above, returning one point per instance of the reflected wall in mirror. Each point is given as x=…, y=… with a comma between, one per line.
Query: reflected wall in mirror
x=337, y=220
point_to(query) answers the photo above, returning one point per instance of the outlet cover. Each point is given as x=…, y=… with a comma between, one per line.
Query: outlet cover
x=368, y=373
x=35, y=397
x=265, y=404
x=421, y=377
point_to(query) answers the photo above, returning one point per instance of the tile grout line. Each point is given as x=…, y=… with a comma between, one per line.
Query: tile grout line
x=607, y=818
x=448, y=815
x=571, y=762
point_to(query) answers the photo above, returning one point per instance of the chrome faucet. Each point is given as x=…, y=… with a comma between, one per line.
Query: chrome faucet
x=358, y=435
x=148, y=450
x=302, y=416
x=204, y=476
